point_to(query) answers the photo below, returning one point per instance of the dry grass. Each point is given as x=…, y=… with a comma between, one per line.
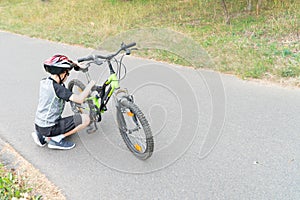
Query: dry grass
x=252, y=46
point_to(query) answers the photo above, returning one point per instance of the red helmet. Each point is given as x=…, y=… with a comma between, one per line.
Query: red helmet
x=58, y=64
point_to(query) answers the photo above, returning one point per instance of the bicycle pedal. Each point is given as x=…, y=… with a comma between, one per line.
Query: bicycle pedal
x=91, y=131
x=92, y=128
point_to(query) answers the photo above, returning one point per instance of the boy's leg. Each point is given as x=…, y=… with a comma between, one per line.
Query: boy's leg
x=66, y=127
x=85, y=121
x=38, y=139
x=39, y=135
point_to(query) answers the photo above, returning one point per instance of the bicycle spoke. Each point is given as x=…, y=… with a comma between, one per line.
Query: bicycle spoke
x=138, y=141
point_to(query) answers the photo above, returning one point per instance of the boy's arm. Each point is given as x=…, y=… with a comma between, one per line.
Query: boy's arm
x=79, y=98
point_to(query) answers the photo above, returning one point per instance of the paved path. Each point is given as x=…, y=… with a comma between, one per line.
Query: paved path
x=216, y=137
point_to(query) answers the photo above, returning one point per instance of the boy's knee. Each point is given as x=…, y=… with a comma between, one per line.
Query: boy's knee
x=85, y=119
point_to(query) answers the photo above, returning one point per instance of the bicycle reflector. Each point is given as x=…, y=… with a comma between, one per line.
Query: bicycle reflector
x=130, y=114
x=138, y=147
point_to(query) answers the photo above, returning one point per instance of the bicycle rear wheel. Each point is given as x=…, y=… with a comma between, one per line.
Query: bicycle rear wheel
x=77, y=87
x=135, y=130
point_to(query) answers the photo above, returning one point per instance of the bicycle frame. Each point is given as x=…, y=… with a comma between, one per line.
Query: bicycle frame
x=132, y=123
x=97, y=103
x=112, y=83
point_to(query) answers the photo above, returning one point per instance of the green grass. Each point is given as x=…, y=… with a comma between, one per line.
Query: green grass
x=12, y=186
x=252, y=46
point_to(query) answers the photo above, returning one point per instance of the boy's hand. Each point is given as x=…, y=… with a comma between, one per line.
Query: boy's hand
x=79, y=98
x=78, y=66
x=97, y=88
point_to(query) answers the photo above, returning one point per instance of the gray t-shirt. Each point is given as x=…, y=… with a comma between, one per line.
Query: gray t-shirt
x=51, y=102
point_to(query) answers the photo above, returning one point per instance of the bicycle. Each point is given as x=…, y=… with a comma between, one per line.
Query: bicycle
x=132, y=123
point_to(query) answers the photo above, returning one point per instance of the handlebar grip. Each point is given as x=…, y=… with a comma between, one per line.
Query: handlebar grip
x=129, y=45
x=88, y=58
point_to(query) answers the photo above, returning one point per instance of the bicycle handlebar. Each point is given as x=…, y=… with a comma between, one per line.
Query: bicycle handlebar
x=88, y=58
x=108, y=57
x=129, y=45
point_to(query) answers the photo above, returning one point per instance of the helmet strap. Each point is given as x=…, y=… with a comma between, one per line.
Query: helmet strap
x=61, y=80
x=64, y=78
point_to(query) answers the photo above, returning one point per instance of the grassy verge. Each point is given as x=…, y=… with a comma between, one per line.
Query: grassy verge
x=13, y=186
x=264, y=46
x=20, y=180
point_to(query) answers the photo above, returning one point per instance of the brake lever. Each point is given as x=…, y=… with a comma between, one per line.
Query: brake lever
x=123, y=45
x=128, y=51
x=98, y=61
x=86, y=68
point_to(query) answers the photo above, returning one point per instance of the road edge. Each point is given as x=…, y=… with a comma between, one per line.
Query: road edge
x=41, y=185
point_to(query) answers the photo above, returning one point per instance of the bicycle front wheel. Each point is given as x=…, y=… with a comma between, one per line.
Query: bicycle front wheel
x=135, y=130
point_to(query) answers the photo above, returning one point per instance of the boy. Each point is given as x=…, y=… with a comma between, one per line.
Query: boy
x=50, y=127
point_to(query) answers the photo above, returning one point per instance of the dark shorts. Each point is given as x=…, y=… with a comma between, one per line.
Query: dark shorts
x=62, y=126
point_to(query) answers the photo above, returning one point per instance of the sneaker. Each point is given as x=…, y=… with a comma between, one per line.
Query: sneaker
x=63, y=144
x=38, y=139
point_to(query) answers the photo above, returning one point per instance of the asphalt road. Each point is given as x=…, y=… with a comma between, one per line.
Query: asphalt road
x=216, y=137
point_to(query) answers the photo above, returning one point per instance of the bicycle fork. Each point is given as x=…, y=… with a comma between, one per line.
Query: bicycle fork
x=119, y=100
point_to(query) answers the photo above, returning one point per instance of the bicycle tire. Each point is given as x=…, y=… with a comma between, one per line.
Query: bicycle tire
x=134, y=109
x=74, y=106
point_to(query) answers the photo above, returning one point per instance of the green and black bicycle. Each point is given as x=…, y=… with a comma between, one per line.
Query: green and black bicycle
x=132, y=123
